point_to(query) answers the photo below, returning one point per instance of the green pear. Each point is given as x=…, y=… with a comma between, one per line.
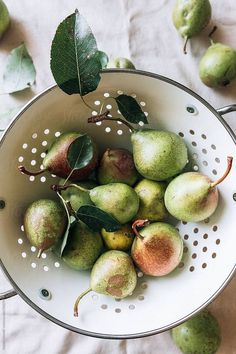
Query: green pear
x=158, y=155
x=120, y=240
x=192, y=196
x=78, y=197
x=56, y=161
x=217, y=67
x=151, y=197
x=117, y=199
x=4, y=18
x=158, y=248
x=117, y=165
x=83, y=247
x=113, y=274
x=199, y=335
x=45, y=222
x=121, y=63
x=190, y=17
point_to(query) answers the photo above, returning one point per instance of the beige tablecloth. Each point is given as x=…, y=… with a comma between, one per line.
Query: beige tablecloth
x=143, y=31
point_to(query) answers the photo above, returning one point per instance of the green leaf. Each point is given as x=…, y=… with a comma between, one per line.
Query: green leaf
x=19, y=72
x=80, y=152
x=6, y=117
x=103, y=58
x=130, y=109
x=96, y=219
x=75, y=63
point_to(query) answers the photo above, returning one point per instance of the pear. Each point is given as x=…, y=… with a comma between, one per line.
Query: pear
x=113, y=274
x=117, y=199
x=78, y=197
x=158, y=155
x=117, y=165
x=199, y=335
x=190, y=17
x=217, y=67
x=4, y=18
x=151, y=200
x=121, y=63
x=120, y=240
x=45, y=222
x=158, y=248
x=56, y=160
x=192, y=196
x=83, y=247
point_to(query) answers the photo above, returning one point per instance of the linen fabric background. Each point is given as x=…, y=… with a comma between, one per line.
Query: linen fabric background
x=142, y=31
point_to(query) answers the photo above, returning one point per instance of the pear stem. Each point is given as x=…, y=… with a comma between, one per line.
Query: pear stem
x=229, y=166
x=211, y=33
x=139, y=223
x=23, y=170
x=58, y=188
x=185, y=45
x=40, y=253
x=104, y=116
x=78, y=300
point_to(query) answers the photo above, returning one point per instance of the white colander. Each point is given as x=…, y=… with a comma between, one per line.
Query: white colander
x=157, y=304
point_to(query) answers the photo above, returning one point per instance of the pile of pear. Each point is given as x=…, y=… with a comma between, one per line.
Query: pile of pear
x=140, y=190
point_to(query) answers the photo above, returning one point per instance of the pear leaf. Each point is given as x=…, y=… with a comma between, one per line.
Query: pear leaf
x=130, y=109
x=96, y=219
x=19, y=72
x=80, y=152
x=75, y=60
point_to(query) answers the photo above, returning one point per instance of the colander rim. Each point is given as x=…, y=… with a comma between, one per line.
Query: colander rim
x=132, y=335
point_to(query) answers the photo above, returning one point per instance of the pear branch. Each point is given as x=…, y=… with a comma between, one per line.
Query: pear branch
x=104, y=116
x=212, y=32
x=139, y=223
x=78, y=300
x=185, y=45
x=23, y=170
x=229, y=166
x=58, y=188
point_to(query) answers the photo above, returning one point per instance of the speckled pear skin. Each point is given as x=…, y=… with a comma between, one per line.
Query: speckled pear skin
x=76, y=197
x=151, y=197
x=217, y=67
x=120, y=240
x=160, y=251
x=83, y=248
x=158, y=155
x=56, y=159
x=199, y=335
x=189, y=197
x=117, y=199
x=45, y=222
x=113, y=274
x=117, y=165
x=190, y=17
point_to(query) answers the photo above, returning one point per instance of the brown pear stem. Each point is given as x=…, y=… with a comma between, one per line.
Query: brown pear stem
x=58, y=188
x=40, y=253
x=104, y=116
x=185, y=45
x=139, y=223
x=23, y=170
x=212, y=31
x=78, y=300
x=229, y=166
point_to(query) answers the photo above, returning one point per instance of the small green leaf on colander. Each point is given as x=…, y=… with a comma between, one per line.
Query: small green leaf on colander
x=130, y=109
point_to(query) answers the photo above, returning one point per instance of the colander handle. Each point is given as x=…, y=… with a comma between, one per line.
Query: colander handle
x=7, y=294
x=226, y=109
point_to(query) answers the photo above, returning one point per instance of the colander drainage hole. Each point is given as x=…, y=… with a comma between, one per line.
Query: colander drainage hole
x=181, y=134
x=181, y=265
x=141, y=297
x=194, y=255
x=43, y=255
x=97, y=103
x=213, y=147
x=195, y=230
x=194, y=143
x=117, y=300
x=31, y=178
x=43, y=179
x=57, y=134
x=204, y=265
x=33, y=249
x=34, y=150
x=214, y=228
x=21, y=159
x=22, y=228
x=46, y=268
x=118, y=310
x=43, y=155
x=140, y=274
x=46, y=131
x=204, y=151
x=203, y=136
x=144, y=285
x=109, y=106
x=57, y=264
x=204, y=249
x=142, y=103
x=191, y=269
x=20, y=241
x=108, y=130
x=185, y=249
x=195, y=167
x=119, y=132
x=205, y=163
x=33, y=265
x=195, y=243
x=25, y=146
x=214, y=172
x=34, y=136
x=186, y=237
x=104, y=307
x=45, y=294
x=24, y=255
x=94, y=113
x=217, y=160
x=191, y=109
x=218, y=241
x=195, y=156
x=191, y=132
x=131, y=307
x=205, y=236
x=106, y=94
x=213, y=255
